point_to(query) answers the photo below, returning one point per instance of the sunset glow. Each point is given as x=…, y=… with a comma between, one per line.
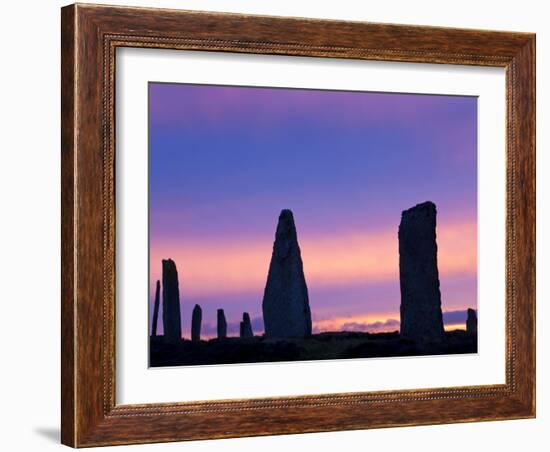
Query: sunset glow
x=233, y=267
x=224, y=161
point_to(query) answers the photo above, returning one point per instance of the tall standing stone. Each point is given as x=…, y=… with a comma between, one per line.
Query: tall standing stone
x=171, y=316
x=222, y=325
x=286, y=304
x=471, y=321
x=421, y=316
x=196, y=320
x=246, y=326
x=156, y=309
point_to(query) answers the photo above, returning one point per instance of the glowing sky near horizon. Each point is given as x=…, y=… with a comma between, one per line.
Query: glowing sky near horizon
x=224, y=161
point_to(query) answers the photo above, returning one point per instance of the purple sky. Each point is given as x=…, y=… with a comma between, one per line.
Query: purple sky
x=225, y=160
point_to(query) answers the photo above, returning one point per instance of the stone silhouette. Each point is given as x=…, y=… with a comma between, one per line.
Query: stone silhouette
x=471, y=321
x=156, y=309
x=421, y=316
x=285, y=304
x=222, y=325
x=246, y=326
x=171, y=316
x=196, y=320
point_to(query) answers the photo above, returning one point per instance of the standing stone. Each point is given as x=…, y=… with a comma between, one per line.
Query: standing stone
x=196, y=320
x=222, y=325
x=171, y=317
x=471, y=321
x=421, y=316
x=246, y=326
x=156, y=309
x=286, y=304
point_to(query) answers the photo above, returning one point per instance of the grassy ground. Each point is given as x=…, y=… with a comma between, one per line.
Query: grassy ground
x=341, y=345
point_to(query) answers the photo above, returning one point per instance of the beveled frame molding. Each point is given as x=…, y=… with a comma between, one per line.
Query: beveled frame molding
x=90, y=36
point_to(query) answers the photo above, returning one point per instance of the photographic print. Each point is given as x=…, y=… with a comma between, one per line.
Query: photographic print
x=294, y=224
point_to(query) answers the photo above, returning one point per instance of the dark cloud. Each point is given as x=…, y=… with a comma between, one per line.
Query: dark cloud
x=449, y=318
x=453, y=317
x=233, y=328
x=389, y=324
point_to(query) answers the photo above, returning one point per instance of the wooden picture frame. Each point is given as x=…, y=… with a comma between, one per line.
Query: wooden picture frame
x=90, y=36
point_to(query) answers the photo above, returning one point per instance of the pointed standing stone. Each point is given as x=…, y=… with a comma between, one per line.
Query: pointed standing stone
x=285, y=304
x=196, y=320
x=156, y=309
x=171, y=317
x=246, y=326
x=471, y=321
x=421, y=316
x=222, y=325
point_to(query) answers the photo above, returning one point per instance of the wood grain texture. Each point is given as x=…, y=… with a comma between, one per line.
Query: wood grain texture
x=67, y=225
x=90, y=36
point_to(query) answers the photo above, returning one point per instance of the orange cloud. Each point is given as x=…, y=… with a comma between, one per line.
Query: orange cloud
x=375, y=323
x=455, y=326
x=209, y=268
x=378, y=322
